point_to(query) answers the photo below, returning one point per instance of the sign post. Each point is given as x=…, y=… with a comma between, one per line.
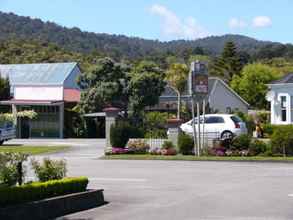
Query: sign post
x=198, y=90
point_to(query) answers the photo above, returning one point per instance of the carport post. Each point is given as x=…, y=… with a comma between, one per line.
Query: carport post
x=111, y=115
x=174, y=130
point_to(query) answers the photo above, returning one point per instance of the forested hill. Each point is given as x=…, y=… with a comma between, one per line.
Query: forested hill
x=119, y=46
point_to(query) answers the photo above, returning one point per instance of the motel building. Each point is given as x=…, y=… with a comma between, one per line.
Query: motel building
x=45, y=88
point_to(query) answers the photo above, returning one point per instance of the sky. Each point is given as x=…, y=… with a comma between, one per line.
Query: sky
x=166, y=20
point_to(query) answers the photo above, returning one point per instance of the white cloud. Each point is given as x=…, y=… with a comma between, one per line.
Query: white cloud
x=261, y=21
x=174, y=27
x=237, y=23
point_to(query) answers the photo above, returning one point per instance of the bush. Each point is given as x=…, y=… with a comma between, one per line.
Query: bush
x=11, y=169
x=257, y=147
x=185, y=144
x=241, y=142
x=49, y=169
x=121, y=132
x=282, y=140
x=168, y=148
x=37, y=191
x=168, y=145
x=155, y=125
x=138, y=146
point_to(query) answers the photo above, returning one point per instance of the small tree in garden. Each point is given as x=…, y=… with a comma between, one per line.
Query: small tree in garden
x=176, y=76
x=11, y=168
x=49, y=169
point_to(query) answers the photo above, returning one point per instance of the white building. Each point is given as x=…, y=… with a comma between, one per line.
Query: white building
x=280, y=96
x=45, y=88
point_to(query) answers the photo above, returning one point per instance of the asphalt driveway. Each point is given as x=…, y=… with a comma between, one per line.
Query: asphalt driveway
x=144, y=190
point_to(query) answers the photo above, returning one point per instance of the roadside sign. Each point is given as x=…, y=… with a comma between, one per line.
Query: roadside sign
x=198, y=80
x=198, y=83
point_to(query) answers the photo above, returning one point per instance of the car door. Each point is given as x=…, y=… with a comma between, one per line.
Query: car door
x=214, y=126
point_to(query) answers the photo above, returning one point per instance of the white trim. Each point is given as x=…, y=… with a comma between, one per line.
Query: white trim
x=288, y=108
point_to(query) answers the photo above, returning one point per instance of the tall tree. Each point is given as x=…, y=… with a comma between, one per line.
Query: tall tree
x=115, y=84
x=103, y=85
x=176, y=76
x=229, y=63
x=251, y=84
x=146, y=84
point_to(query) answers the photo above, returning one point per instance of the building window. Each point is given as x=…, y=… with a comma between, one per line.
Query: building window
x=283, y=108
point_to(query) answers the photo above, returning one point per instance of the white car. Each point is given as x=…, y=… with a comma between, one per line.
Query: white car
x=222, y=126
x=7, y=131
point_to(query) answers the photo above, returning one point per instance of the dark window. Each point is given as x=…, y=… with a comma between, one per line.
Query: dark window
x=284, y=108
x=214, y=120
x=236, y=119
x=283, y=101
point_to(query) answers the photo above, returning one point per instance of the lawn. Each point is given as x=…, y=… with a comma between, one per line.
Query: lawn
x=32, y=150
x=194, y=158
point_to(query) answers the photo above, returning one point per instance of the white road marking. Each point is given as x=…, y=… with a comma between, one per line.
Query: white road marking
x=290, y=195
x=118, y=179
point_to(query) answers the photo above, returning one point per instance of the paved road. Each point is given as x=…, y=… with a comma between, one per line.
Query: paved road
x=144, y=190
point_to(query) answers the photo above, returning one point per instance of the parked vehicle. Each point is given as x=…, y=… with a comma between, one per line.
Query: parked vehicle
x=7, y=131
x=222, y=126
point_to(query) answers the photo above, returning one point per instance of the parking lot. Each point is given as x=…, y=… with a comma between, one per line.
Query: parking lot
x=180, y=189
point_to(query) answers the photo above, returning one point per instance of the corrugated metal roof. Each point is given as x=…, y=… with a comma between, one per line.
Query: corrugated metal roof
x=37, y=74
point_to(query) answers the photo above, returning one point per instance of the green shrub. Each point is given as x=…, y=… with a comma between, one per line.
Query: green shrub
x=11, y=169
x=185, y=144
x=49, y=169
x=282, y=140
x=121, y=132
x=241, y=142
x=257, y=147
x=168, y=145
x=268, y=129
x=155, y=124
x=37, y=191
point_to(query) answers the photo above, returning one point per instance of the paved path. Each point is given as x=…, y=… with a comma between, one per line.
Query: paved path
x=145, y=190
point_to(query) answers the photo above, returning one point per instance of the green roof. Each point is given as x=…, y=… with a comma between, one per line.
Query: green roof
x=37, y=74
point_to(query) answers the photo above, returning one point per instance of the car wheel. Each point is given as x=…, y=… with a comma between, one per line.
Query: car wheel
x=227, y=135
x=1, y=142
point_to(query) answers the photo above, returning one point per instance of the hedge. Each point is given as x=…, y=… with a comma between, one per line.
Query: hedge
x=41, y=190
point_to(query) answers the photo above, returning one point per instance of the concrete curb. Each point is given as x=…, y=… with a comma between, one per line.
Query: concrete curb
x=54, y=207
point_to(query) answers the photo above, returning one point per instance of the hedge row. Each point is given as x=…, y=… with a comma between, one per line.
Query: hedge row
x=41, y=190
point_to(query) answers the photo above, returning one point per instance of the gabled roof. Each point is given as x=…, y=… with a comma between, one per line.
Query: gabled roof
x=37, y=74
x=288, y=78
x=170, y=93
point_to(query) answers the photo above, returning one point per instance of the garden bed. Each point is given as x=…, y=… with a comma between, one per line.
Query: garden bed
x=47, y=200
x=54, y=207
x=195, y=158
